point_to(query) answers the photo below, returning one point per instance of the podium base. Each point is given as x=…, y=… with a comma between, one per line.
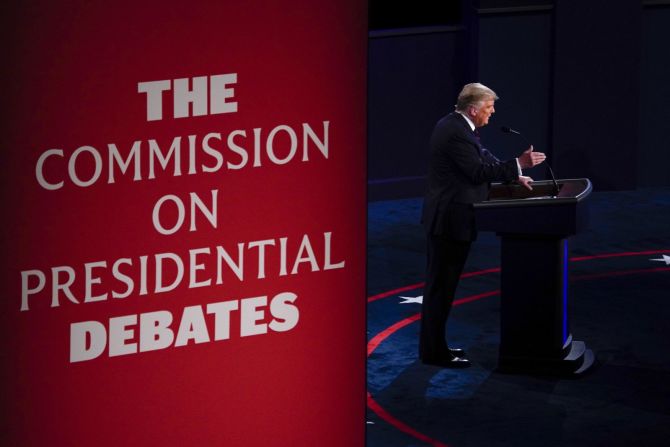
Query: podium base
x=576, y=362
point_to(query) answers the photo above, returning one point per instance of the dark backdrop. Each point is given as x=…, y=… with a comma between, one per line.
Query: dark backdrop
x=584, y=81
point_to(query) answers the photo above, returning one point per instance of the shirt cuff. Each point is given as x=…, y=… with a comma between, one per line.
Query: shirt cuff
x=518, y=167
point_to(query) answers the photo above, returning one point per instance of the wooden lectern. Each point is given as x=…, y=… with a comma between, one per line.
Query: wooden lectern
x=534, y=319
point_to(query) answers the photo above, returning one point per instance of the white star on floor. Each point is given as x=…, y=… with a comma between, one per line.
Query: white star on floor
x=665, y=259
x=412, y=299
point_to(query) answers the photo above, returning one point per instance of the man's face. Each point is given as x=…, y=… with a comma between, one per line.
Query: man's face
x=480, y=116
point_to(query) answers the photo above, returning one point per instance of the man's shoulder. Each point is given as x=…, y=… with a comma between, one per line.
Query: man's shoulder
x=449, y=126
x=453, y=121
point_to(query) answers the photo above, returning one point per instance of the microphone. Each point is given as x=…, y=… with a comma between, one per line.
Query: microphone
x=508, y=130
x=551, y=172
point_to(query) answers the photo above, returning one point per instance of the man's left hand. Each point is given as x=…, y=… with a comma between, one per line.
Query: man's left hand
x=529, y=158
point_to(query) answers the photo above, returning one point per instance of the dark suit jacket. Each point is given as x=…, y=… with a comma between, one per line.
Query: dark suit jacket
x=459, y=174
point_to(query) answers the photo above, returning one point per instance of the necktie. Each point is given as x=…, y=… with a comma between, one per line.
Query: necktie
x=479, y=143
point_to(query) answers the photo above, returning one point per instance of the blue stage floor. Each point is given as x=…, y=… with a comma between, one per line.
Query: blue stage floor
x=620, y=298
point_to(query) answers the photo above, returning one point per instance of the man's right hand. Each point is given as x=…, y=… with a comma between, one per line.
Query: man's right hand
x=525, y=181
x=528, y=158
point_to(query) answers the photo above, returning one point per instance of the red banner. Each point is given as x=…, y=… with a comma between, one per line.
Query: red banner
x=184, y=224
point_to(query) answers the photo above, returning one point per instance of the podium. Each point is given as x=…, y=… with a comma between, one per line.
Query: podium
x=534, y=227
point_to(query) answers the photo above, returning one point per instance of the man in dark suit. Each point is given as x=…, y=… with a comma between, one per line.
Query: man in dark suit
x=460, y=171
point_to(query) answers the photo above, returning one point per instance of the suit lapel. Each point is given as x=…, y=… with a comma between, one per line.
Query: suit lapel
x=472, y=137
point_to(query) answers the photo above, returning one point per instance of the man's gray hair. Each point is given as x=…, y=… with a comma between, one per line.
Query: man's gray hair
x=473, y=95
